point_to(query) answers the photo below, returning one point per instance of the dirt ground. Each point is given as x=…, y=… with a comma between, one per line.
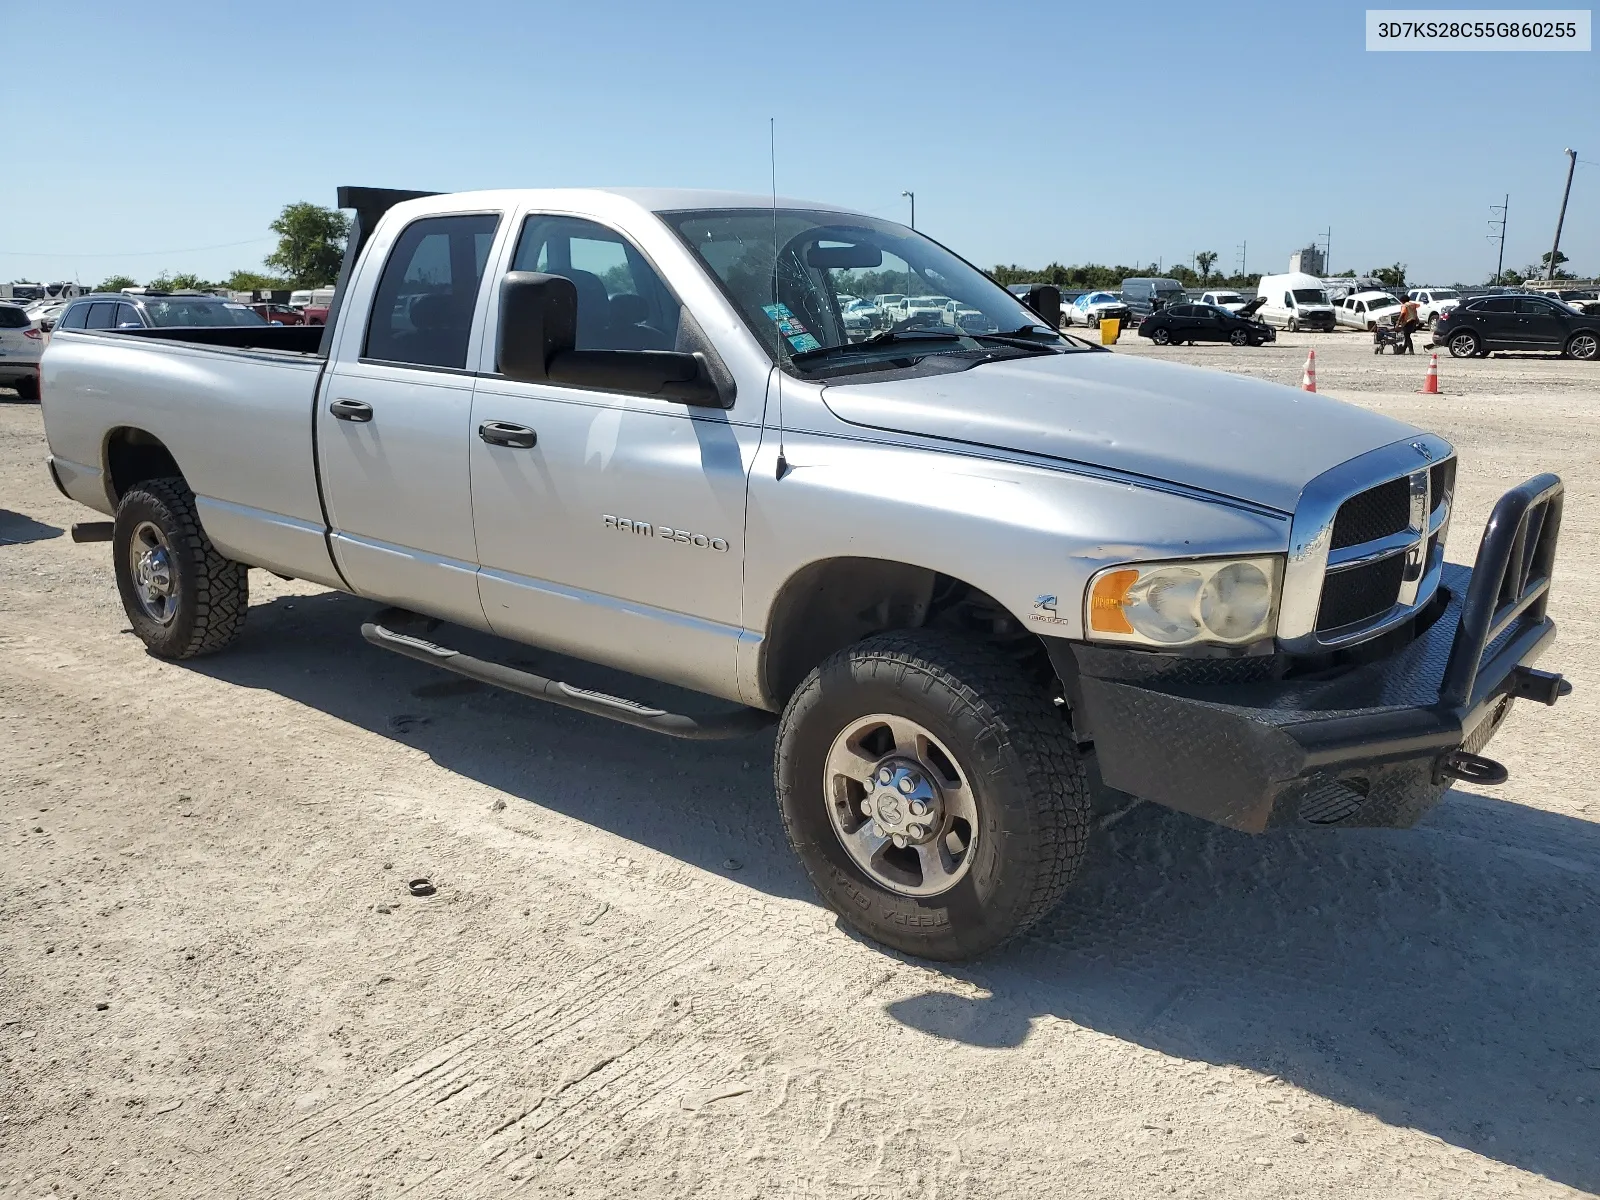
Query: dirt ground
x=213, y=981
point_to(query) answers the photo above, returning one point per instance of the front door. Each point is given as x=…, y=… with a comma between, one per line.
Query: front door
x=1539, y=323
x=613, y=529
x=392, y=423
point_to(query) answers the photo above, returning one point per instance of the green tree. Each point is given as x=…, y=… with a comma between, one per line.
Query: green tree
x=116, y=283
x=251, y=281
x=1543, y=271
x=183, y=281
x=1391, y=276
x=310, y=244
x=1205, y=260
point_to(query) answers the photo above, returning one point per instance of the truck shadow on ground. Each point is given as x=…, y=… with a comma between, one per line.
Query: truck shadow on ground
x=17, y=529
x=1444, y=978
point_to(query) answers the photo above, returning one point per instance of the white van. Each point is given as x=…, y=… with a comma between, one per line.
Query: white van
x=306, y=297
x=1295, y=301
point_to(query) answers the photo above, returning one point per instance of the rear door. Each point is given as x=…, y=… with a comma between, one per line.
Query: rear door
x=614, y=528
x=1495, y=319
x=393, y=417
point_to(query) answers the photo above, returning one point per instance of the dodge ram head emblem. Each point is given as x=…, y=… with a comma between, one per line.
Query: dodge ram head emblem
x=1422, y=449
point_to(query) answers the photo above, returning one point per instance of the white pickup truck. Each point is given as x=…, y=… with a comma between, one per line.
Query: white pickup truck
x=979, y=581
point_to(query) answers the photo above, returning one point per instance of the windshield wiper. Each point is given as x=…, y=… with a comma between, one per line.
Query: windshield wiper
x=880, y=339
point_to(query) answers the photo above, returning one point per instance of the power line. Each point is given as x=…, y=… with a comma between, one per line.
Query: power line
x=134, y=253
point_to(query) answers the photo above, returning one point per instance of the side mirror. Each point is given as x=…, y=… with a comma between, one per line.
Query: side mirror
x=1045, y=299
x=537, y=344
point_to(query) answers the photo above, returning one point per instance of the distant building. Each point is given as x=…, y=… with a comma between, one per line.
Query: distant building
x=1309, y=261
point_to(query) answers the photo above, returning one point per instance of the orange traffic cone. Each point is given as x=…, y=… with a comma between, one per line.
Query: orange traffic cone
x=1430, y=386
x=1308, y=381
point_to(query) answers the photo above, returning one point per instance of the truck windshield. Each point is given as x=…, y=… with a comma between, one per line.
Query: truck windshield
x=791, y=308
x=189, y=311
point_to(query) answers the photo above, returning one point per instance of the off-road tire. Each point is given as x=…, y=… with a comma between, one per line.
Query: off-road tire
x=1013, y=747
x=212, y=592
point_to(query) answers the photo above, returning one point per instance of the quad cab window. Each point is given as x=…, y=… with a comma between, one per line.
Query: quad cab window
x=422, y=310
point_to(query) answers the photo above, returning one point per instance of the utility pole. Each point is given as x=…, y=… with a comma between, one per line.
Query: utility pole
x=1502, y=209
x=913, y=197
x=1241, y=259
x=1327, y=251
x=1572, y=165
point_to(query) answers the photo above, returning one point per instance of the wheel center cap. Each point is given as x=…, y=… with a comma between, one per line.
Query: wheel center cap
x=904, y=803
x=890, y=810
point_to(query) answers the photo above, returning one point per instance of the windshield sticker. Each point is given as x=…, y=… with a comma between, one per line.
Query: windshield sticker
x=788, y=324
x=804, y=342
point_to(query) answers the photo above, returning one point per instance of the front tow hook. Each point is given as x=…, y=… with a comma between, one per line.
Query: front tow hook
x=1471, y=768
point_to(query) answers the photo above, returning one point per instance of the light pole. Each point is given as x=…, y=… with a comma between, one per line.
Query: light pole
x=912, y=196
x=1555, y=249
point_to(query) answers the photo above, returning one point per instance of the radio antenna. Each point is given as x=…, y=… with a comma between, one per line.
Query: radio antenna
x=777, y=333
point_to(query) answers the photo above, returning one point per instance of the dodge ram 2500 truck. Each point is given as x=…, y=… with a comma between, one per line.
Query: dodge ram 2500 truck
x=976, y=579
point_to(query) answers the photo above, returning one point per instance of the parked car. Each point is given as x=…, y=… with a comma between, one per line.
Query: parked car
x=1366, y=310
x=1093, y=307
x=1433, y=301
x=1144, y=296
x=1232, y=301
x=928, y=310
x=1204, y=323
x=970, y=563
x=279, y=314
x=966, y=318
x=1296, y=301
x=155, y=310
x=21, y=344
x=1528, y=322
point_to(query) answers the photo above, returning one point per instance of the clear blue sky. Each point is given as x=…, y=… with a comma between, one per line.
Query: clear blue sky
x=1105, y=132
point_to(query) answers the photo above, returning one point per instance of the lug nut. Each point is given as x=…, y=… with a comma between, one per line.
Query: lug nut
x=866, y=808
x=885, y=775
x=919, y=808
x=907, y=785
x=900, y=842
x=878, y=830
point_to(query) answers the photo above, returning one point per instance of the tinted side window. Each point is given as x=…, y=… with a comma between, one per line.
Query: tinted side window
x=127, y=314
x=102, y=314
x=1529, y=307
x=74, y=317
x=1496, y=304
x=422, y=310
x=622, y=303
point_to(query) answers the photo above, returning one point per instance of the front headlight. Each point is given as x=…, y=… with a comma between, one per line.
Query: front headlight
x=1231, y=601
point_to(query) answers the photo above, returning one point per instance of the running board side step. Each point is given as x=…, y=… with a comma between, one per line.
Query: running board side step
x=740, y=722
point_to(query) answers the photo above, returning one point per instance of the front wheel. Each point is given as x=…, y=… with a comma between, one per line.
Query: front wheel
x=1585, y=346
x=1292, y=326
x=933, y=793
x=1161, y=337
x=1239, y=337
x=182, y=597
x=1464, y=345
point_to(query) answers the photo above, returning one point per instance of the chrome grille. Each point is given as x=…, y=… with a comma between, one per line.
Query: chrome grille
x=1374, y=513
x=1360, y=594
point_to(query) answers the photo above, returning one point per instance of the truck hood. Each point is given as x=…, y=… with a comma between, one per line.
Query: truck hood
x=1243, y=438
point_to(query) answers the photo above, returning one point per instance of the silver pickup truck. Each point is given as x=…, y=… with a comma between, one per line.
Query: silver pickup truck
x=981, y=582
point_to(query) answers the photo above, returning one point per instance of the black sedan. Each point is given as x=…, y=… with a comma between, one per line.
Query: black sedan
x=1477, y=326
x=1181, y=323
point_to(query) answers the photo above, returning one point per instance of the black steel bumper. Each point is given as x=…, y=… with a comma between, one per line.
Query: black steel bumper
x=1246, y=743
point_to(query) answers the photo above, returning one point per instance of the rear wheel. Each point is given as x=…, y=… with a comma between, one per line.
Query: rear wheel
x=182, y=597
x=1465, y=344
x=933, y=793
x=1161, y=337
x=1585, y=346
x=27, y=387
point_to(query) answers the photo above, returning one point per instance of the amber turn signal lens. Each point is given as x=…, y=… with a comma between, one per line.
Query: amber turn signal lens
x=1107, y=601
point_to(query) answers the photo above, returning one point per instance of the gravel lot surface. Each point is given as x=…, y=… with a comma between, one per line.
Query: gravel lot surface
x=214, y=982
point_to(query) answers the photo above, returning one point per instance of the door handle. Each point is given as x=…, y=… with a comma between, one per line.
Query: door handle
x=504, y=433
x=351, y=410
